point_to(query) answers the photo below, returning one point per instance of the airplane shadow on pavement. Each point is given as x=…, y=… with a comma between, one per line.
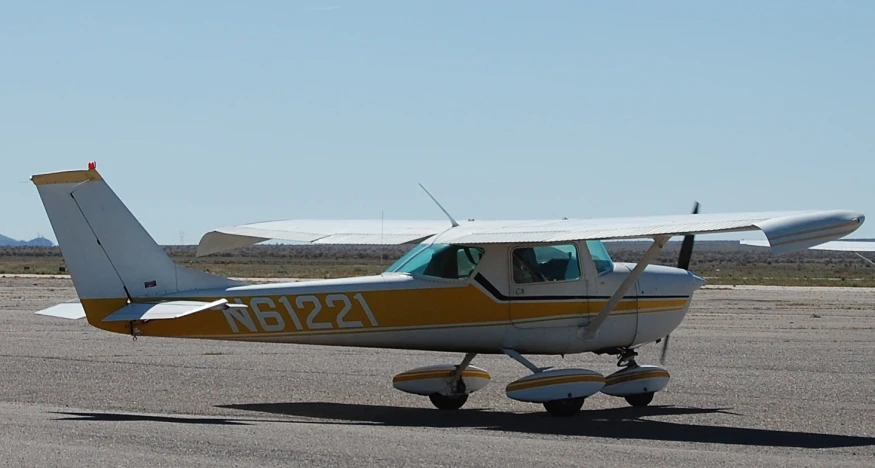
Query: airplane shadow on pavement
x=616, y=423
x=130, y=417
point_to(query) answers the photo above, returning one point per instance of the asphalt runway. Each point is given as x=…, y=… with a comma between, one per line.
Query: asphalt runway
x=761, y=377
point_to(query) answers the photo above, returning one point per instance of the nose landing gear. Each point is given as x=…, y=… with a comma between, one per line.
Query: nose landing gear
x=637, y=384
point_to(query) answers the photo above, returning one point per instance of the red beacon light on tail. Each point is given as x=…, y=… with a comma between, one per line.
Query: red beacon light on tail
x=92, y=165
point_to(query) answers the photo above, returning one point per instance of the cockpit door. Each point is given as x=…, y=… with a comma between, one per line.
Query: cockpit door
x=548, y=286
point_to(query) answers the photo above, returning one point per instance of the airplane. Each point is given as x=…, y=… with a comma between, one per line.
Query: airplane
x=513, y=287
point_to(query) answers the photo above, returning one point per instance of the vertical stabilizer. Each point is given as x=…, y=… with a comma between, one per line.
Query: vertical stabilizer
x=107, y=251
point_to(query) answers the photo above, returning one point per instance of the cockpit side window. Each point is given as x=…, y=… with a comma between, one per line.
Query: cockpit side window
x=545, y=263
x=440, y=261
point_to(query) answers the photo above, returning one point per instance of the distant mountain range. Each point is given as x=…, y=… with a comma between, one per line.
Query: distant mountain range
x=38, y=242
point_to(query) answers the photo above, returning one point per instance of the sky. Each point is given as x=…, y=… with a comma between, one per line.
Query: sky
x=205, y=114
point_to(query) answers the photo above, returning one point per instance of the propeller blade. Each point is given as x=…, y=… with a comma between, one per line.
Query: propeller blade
x=684, y=263
x=664, y=349
x=687, y=246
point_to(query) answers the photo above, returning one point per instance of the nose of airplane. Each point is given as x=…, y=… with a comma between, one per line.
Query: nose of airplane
x=660, y=279
x=697, y=280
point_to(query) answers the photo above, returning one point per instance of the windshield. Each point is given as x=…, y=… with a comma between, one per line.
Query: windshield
x=439, y=261
x=600, y=256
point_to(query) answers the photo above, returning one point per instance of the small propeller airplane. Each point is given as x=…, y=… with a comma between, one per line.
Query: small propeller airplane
x=535, y=287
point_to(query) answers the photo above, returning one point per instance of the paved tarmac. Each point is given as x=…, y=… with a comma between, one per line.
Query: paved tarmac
x=761, y=377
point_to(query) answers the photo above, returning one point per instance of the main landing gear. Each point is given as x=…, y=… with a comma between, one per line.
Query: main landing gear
x=446, y=385
x=561, y=391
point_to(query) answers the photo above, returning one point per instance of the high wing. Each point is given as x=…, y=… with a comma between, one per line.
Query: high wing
x=786, y=230
x=321, y=231
x=835, y=246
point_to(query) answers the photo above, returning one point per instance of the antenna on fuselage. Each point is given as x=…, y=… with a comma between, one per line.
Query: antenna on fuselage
x=453, y=221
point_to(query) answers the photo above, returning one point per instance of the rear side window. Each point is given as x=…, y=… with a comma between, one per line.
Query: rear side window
x=546, y=263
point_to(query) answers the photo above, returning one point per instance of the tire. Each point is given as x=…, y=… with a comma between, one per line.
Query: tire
x=564, y=408
x=444, y=402
x=641, y=399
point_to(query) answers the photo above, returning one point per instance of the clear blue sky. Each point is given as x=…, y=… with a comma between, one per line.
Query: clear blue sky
x=203, y=114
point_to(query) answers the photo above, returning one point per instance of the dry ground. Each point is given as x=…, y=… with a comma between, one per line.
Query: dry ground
x=761, y=377
x=721, y=262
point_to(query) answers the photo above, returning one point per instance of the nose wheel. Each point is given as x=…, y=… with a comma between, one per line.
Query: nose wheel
x=635, y=383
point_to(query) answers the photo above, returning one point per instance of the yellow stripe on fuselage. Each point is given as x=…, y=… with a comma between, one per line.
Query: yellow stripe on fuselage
x=369, y=311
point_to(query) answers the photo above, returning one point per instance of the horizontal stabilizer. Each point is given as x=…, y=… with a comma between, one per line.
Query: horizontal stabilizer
x=72, y=310
x=166, y=310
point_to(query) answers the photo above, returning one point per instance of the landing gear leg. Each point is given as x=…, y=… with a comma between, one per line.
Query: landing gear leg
x=457, y=395
x=457, y=385
x=520, y=359
x=627, y=358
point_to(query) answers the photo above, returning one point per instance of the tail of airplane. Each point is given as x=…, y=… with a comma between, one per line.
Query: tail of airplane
x=108, y=253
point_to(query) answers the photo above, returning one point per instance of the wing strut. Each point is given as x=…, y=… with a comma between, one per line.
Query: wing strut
x=588, y=332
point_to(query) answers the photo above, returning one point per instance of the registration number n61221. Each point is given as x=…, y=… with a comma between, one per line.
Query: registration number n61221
x=306, y=313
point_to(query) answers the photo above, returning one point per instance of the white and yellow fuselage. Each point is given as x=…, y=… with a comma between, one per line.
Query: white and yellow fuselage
x=483, y=298
x=399, y=310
